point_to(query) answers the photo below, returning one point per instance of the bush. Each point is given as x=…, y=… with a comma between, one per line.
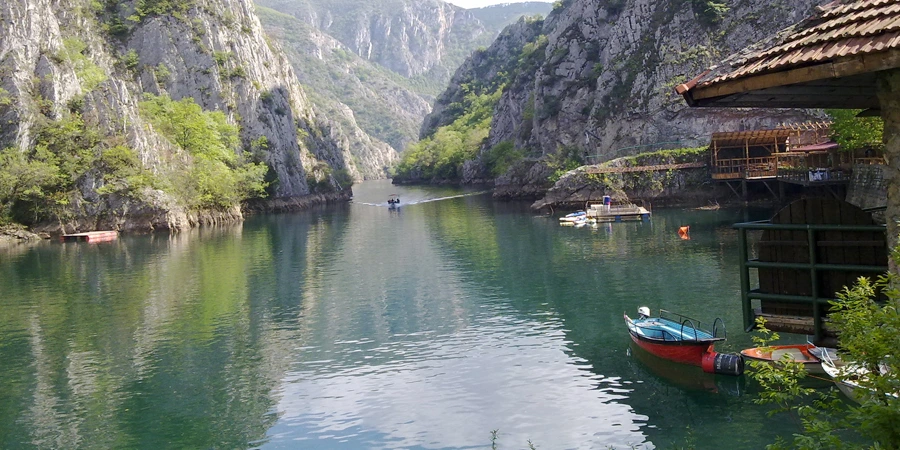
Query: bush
x=869, y=335
x=130, y=60
x=219, y=176
x=501, y=157
x=89, y=74
x=709, y=11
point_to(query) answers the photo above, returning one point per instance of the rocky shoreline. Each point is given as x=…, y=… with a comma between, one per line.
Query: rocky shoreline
x=175, y=220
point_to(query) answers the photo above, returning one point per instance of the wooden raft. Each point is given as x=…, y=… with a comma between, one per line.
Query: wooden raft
x=91, y=236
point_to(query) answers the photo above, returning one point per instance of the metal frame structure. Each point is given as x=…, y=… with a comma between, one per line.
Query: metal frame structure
x=814, y=267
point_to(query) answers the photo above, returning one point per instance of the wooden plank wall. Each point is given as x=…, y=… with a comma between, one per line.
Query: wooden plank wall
x=832, y=247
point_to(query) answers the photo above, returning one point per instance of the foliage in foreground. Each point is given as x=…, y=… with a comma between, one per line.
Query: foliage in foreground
x=869, y=333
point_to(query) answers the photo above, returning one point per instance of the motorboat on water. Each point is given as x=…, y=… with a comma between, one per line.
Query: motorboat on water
x=393, y=201
x=682, y=339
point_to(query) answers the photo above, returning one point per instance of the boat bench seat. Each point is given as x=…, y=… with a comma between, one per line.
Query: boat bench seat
x=795, y=354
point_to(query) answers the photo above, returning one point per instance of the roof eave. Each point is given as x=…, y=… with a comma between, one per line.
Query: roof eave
x=699, y=94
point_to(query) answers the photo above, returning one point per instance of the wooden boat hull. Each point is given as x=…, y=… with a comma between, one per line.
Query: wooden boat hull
x=799, y=353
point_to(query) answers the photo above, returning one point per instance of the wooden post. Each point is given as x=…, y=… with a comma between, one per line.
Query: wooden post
x=746, y=161
x=888, y=90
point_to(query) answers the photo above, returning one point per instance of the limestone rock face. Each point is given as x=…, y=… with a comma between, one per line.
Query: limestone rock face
x=213, y=51
x=410, y=38
x=605, y=82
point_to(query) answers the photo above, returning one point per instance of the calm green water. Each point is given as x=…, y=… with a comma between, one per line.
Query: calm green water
x=355, y=327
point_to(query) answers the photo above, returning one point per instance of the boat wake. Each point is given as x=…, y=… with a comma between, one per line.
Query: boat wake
x=424, y=200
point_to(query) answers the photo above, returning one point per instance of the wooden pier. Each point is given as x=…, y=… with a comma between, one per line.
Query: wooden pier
x=91, y=236
x=618, y=213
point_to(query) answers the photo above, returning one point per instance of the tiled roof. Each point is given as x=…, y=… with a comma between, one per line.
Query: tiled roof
x=840, y=29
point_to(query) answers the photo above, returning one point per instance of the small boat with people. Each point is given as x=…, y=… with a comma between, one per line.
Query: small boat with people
x=805, y=354
x=682, y=339
x=393, y=201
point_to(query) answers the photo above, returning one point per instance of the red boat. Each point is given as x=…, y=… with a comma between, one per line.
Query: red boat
x=682, y=339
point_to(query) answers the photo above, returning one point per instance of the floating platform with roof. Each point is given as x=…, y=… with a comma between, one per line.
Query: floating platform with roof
x=618, y=213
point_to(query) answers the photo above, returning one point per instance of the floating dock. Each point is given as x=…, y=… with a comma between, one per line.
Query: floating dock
x=91, y=236
x=618, y=213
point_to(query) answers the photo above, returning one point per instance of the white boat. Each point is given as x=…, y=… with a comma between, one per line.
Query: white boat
x=845, y=376
x=573, y=217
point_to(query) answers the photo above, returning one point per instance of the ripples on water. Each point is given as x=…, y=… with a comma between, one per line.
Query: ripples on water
x=357, y=327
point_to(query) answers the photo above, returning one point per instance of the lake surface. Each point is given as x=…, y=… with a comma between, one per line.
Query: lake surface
x=355, y=327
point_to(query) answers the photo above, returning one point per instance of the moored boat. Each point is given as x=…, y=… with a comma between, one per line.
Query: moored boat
x=574, y=217
x=799, y=353
x=681, y=339
x=845, y=376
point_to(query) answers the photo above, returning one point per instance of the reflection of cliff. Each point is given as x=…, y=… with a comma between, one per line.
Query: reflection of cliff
x=150, y=341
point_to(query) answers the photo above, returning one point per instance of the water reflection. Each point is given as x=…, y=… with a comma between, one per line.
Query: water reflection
x=354, y=327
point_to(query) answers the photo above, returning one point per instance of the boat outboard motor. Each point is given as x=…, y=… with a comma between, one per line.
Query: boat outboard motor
x=722, y=363
x=643, y=312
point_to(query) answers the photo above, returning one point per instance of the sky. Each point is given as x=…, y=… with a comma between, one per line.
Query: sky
x=480, y=3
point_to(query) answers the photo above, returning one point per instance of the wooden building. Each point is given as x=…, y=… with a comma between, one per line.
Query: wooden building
x=846, y=56
x=795, y=154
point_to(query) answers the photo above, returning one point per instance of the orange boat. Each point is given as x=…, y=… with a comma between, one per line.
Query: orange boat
x=798, y=353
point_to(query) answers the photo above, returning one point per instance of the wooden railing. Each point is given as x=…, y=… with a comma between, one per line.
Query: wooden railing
x=743, y=168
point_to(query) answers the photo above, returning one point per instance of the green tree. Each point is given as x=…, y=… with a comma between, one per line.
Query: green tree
x=24, y=178
x=853, y=132
x=442, y=155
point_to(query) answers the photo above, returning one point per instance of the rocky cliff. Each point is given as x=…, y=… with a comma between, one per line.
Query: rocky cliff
x=376, y=66
x=382, y=60
x=425, y=38
x=351, y=90
x=96, y=61
x=604, y=85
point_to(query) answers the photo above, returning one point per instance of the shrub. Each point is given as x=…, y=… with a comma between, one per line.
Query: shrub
x=869, y=333
x=219, y=175
x=89, y=74
x=710, y=12
x=501, y=157
x=130, y=60
x=162, y=73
